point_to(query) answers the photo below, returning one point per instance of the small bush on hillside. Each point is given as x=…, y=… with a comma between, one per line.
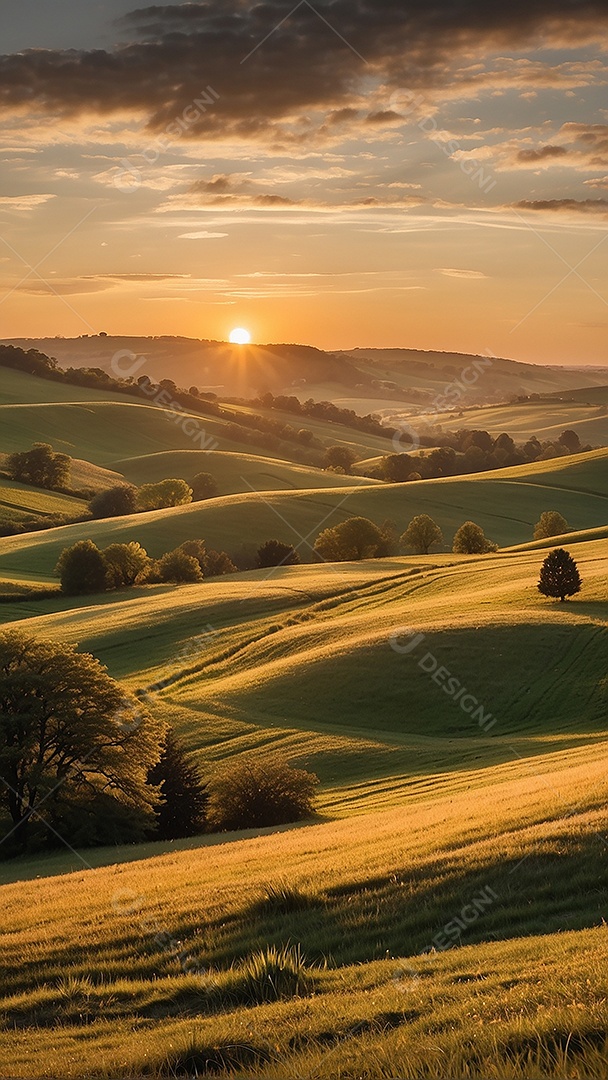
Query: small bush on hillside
x=217, y=563
x=166, y=493
x=339, y=457
x=272, y=974
x=40, y=466
x=183, y=793
x=178, y=567
x=282, y=898
x=421, y=535
x=550, y=523
x=204, y=487
x=276, y=553
x=250, y=793
x=82, y=569
x=559, y=575
x=470, y=540
x=114, y=502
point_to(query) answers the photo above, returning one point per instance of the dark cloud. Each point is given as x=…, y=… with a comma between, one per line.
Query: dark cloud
x=530, y=157
x=273, y=67
x=578, y=206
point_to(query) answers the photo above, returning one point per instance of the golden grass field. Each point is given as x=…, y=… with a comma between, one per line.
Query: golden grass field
x=443, y=913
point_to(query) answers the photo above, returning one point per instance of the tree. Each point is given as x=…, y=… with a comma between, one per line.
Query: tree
x=124, y=563
x=550, y=523
x=217, y=563
x=114, y=502
x=183, y=793
x=40, y=466
x=570, y=440
x=275, y=553
x=396, y=468
x=204, y=487
x=171, y=492
x=72, y=743
x=351, y=540
x=421, y=534
x=250, y=793
x=470, y=540
x=197, y=550
x=559, y=576
x=82, y=569
x=178, y=567
x=341, y=457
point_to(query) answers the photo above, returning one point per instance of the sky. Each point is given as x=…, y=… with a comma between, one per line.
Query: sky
x=428, y=175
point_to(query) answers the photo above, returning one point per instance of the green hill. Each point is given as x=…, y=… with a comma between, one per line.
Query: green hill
x=232, y=472
x=506, y=503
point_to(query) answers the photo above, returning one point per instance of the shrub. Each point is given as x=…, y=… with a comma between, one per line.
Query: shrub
x=249, y=793
x=40, y=466
x=183, y=793
x=197, y=550
x=178, y=567
x=125, y=563
x=114, y=502
x=421, y=535
x=339, y=457
x=351, y=540
x=275, y=553
x=204, y=487
x=550, y=523
x=470, y=540
x=559, y=576
x=171, y=492
x=82, y=569
x=217, y=563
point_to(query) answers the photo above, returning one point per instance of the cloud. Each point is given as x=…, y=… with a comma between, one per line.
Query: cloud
x=244, y=52
x=576, y=206
x=202, y=235
x=544, y=153
x=450, y=271
x=23, y=203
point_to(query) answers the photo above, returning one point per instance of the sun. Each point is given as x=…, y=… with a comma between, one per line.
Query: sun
x=240, y=336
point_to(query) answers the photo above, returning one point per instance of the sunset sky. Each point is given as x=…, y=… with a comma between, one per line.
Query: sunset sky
x=427, y=174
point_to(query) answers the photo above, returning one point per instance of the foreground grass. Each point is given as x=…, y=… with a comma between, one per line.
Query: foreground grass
x=105, y=964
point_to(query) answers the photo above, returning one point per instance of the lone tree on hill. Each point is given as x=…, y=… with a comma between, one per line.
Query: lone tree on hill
x=40, y=466
x=339, y=457
x=421, y=534
x=470, y=540
x=170, y=492
x=276, y=553
x=559, y=576
x=550, y=523
x=75, y=750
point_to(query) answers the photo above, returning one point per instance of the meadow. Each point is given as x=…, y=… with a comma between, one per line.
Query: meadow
x=443, y=911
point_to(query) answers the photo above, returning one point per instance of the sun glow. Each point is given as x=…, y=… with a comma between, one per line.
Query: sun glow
x=240, y=336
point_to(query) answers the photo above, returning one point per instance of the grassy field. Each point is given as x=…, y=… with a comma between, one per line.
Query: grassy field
x=506, y=504
x=233, y=473
x=443, y=911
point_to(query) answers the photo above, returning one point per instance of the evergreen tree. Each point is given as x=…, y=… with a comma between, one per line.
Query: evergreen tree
x=183, y=793
x=559, y=576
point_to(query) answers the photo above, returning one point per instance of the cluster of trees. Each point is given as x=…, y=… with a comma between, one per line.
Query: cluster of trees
x=40, y=467
x=127, y=499
x=466, y=451
x=85, y=763
x=359, y=538
x=84, y=568
x=324, y=410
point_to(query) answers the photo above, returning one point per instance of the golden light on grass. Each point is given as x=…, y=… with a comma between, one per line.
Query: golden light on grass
x=240, y=336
